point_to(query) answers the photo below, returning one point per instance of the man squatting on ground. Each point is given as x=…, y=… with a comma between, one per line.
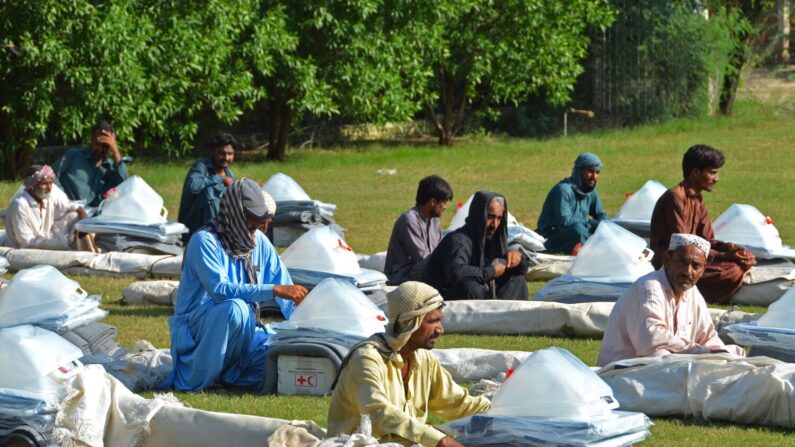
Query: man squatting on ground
x=417, y=232
x=681, y=210
x=572, y=209
x=229, y=267
x=474, y=262
x=393, y=377
x=663, y=312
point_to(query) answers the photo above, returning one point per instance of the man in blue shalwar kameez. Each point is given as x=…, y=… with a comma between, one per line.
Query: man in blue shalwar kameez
x=572, y=209
x=228, y=268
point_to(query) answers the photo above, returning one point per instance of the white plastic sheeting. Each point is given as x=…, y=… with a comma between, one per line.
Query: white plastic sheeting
x=526, y=317
x=43, y=296
x=324, y=250
x=606, y=265
x=780, y=314
x=766, y=282
x=151, y=292
x=338, y=306
x=753, y=390
x=132, y=201
x=553, y=383
x=747, y=226
x=473, y=364
x=635, y=213
x=552, y=398
x=105, y=264
x=36, y=360
x=543, y=266
x=282, y=187
x=373, y=262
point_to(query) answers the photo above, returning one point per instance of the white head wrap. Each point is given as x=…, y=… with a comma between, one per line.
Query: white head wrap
x=270, y=204
x=682, y=239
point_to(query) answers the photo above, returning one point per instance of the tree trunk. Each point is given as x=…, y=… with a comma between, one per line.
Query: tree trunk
x=731, y=80
x=448, y=100
x=8, y=145
x=281, y=121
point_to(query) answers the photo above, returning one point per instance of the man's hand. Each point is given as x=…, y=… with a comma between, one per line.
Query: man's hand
x=745, y=258
x=499, y=268
x=447, y=441
x=109, y=139
x=227, y=180
x=295, y=294
x=514, y=258
x=81, y=213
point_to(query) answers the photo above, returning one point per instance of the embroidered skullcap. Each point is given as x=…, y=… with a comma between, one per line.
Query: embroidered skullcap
x=270, y=204
x=683, y=239
x=407, y=305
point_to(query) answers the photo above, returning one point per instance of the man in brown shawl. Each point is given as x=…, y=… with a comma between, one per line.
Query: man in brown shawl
x=681, y=210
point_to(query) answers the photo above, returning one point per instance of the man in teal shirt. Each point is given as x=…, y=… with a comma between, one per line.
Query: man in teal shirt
x=88, y=173
x=572, y=209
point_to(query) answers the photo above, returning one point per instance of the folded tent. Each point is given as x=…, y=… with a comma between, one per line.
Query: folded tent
x=606, y=265
x=773, y=334
x=635, y=213
x=552, y=398
x=747, y=226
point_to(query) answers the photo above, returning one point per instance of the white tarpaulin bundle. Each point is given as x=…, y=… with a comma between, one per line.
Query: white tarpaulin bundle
x=766, y=282
x=151, y=292
x=773, y=332
x=44, y=297
x=526, y=317
x=635, y=213
x=104, y=264
x=552, y=398
x=321, y=253
x=747, y=226
x=606, y=265
x=754, y=390
x=473, y=364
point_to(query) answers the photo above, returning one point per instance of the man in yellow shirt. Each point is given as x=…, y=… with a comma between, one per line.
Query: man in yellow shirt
x=395, y=380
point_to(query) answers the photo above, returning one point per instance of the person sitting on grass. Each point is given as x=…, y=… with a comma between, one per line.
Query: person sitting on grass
x=417, y=232
x=88, y=173
x=474, y=262
x=572, y=209
x=207, y=179
x=393, y=377
x=681, y=210
x=228, y=269
x=41, y=216
x=663, y=312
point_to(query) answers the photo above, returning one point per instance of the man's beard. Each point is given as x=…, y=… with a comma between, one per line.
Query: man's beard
x=43, y=195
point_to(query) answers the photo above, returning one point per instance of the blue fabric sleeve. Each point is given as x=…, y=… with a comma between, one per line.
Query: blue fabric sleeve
x=207, y=260
x=597, y=211
x=562, y=201
x=200, y=178
x=272, y=272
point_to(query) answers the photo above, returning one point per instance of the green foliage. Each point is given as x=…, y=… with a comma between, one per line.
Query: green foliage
x=663, y=59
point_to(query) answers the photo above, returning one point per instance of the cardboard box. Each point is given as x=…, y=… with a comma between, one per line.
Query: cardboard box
x=304, y=375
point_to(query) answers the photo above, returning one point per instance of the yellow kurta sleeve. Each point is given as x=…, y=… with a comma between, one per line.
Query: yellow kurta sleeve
x=448, y=399
x=369, y=385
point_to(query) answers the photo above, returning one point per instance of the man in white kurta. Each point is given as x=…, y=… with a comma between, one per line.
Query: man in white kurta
x=40, y=215
x=663, y=312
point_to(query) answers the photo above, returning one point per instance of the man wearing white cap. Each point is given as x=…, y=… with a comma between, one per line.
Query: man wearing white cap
x=228, y=268
x=393, y=377
x=663, y=312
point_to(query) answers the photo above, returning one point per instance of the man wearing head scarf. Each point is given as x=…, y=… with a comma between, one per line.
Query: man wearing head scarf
x=88, y=173
x=663, y=312
x=474, y=262
x=572, y=209
x=393, y=377
x=228, y=269
x=41, y=216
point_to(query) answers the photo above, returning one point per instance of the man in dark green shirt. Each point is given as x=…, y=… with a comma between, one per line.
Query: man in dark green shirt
x=88, y=173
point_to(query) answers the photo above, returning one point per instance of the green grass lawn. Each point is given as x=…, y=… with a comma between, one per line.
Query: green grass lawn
x=760, y=169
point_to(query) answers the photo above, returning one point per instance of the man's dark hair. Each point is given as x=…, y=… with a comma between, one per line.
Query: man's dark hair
x=102, y=125
x=221, y=139
x=433, y=187
x=701, y=157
